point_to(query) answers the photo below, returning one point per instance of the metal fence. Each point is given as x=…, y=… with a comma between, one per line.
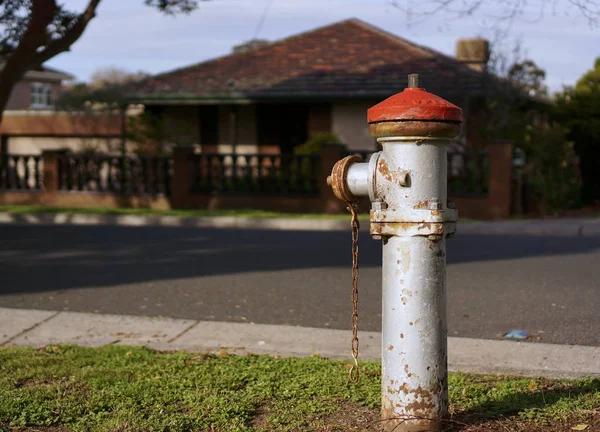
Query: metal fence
x=21, y=172
x=144, y=175
x=256, y=174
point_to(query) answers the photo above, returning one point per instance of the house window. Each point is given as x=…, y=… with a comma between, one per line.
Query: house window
x=41, y=96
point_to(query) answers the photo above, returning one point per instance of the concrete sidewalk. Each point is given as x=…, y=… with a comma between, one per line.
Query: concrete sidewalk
x=543, y=227
x=39, y=328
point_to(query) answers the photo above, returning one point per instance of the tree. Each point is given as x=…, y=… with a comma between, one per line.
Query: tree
x=34, y=31
x=103, y=95
x=113, y=75
x=516, y=106
x=578, y=110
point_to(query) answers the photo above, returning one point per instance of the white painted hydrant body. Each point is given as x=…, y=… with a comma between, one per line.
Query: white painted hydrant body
x=407, y=185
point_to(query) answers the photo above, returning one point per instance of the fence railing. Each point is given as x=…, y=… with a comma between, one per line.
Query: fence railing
x=468, y=173
x=291, y=174
x=256, y=174
x=145, y=175
x=21, y=172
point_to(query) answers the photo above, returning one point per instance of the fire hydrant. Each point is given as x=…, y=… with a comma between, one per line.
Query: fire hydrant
x=407, y=186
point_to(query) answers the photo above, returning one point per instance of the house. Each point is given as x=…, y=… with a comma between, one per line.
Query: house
x=269, y=97
x=38, y=90
x=31, y=123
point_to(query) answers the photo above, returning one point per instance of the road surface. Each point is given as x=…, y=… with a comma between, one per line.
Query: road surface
x=548, y=286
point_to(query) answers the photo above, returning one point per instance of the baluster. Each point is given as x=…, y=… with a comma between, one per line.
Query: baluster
x=274, y=173
x=101, y=175
x=210, y=184
x=260, y=173
x=168, y=175
x=61, y=172
x=222, y=173
x=36, y=167
x=80, y=172
x=17, y=160
x=201, y=172
x=145, y=186
x=249, y=177
x=71, y=173
x=26, y=161
x=135, y=180
x=110, y=176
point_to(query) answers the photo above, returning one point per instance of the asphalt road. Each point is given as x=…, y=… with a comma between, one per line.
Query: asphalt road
x=548, y=286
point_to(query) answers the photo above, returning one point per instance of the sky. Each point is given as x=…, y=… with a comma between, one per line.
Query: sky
x=134, y=37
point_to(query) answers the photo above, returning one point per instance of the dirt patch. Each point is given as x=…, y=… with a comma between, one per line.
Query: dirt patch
x=352, y=417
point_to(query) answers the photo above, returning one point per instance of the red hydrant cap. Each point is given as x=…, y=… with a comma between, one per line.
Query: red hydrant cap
x=414, y=104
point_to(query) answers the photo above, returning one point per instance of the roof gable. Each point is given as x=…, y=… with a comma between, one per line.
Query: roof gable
x=346, y=59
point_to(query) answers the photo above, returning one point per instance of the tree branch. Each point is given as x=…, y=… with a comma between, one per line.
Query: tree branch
x=70, y=37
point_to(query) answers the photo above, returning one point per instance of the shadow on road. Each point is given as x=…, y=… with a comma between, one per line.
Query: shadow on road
x=39, y=258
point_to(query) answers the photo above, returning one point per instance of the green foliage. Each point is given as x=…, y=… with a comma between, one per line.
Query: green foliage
x=135, y=389
x=578, y=111
x=552, y=167
x=523, y=114
x=315, y=143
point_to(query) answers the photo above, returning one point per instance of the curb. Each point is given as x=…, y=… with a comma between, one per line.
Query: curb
x=542, y=227
x=38, y=328
x=288, y=224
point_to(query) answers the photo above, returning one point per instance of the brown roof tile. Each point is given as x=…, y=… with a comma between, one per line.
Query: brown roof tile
x=346, y=59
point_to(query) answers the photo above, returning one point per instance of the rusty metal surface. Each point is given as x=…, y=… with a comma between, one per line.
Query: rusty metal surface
x=338, y=178
x=412, y=229
x=414, y=352
x=414, y=104
x=415, y=128
x=416, y=214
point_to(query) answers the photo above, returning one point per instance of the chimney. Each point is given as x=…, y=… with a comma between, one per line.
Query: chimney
x=475, y=53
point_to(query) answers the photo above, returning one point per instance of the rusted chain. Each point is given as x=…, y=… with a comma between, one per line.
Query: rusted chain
x=354, y=370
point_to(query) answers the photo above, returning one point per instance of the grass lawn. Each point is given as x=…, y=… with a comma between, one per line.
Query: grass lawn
x=116, y=388
x=23, y=209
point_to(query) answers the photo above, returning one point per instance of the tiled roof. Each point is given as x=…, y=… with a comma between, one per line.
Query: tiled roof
x=346, y=59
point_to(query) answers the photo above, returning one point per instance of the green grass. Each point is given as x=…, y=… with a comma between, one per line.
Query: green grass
x=116, y=388
x=24, y=209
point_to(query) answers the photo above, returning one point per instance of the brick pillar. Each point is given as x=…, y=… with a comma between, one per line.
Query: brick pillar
x=183, y=177
x=51, y=168
x=500, y=160
x=330, y=154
